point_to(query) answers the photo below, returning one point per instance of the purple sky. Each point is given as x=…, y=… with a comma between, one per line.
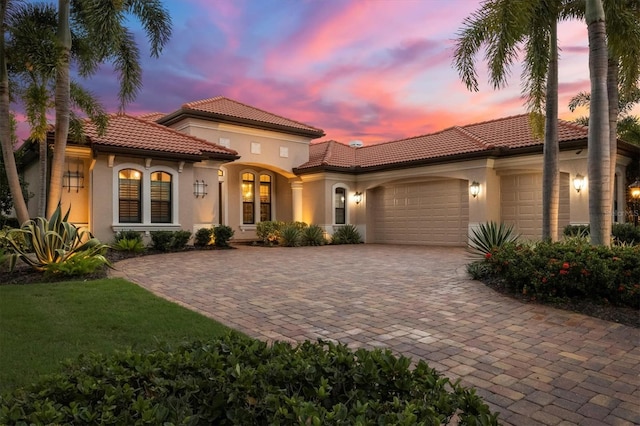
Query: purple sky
x=374, y=70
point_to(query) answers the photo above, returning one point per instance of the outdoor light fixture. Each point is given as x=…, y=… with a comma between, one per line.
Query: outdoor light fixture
x=74, y=179
x=474, y=188
x=199, y=188
x=579, y=182
x=634, y=191
x=357, y=197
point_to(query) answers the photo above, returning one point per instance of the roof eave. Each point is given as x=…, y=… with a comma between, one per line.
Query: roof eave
x=147, y=153
x=178, y=115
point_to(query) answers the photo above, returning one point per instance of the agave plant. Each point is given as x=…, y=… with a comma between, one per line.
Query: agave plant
x=313, y=235
x=347, y=234
x=489, y=236
x=52, y=241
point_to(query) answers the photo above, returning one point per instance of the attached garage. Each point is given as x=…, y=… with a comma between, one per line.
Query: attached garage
x=428, y=213
x=521, y=203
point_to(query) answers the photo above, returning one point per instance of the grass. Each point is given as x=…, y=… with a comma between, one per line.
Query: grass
x=44, y=324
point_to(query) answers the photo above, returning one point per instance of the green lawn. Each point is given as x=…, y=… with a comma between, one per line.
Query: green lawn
x=44, y=324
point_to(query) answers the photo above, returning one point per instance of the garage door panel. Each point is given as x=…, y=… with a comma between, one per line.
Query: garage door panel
x=422, y=213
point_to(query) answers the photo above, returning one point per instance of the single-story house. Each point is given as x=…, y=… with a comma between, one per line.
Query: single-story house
x=219, y=161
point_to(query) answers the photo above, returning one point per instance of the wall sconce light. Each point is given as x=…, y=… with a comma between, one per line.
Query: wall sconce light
x=474, y=189
x=579, y=183
x=199, y=188
x=357, y=197
x=634, y=190
x=74, y=179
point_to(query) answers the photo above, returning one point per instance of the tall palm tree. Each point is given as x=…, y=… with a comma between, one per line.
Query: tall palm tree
x=6, y=136
x=503, y=26
x=599, y=155
x=104, y=23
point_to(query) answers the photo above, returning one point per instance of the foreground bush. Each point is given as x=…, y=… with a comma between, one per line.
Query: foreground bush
x=570, y=269
x=169, y=240
x=222, y=234
x=239, y=381
x=346, y=234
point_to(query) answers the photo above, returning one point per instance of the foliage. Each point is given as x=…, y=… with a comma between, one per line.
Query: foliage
x=237, y=380
x=203, y=237
x=169, y=240
x=347, y=234
x=132, y=246
x=128, y=234
x=51, y=241
x=6, y=199
x=623, y=233
x=82, y=263
x=567, y=269
x=10, y=222
x=269, y=231
x=222, y=234
x=313, y=235
x=290, y=235
x=489, y=236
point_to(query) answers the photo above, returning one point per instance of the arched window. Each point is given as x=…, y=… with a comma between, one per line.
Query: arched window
x=160, y=197
x=265, y=198
x=340, y=206
x=248, y=198
x=130, y=196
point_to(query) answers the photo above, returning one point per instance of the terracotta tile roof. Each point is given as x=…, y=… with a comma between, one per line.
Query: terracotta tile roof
x=152, y=116
x=234, y=110
x=134, y=133
x=503, y=134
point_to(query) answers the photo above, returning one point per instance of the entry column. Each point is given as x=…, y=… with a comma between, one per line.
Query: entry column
x=296, y=200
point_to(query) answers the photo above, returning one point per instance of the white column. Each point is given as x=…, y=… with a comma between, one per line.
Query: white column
x=296, y=200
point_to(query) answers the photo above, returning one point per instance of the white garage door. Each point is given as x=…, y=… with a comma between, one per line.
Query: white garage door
x=521, y=203
x=429, y=213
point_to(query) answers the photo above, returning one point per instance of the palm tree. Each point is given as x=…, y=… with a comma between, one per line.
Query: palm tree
x=503, y=26
x=6, y=136
x=103, y=21
x=599, y=156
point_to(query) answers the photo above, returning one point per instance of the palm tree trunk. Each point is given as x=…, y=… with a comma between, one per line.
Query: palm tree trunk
x=62, y=101
x=6, y=139
x=599, y=156
x=612, y=94
x=42, y=190
x=551, y=170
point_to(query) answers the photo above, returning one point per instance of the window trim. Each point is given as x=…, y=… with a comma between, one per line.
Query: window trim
x=256, y=198
x=145, y=174
x=347, y=210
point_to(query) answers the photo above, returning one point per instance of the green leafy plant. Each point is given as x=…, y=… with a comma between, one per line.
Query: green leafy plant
x=82, y=263
x=169, y=240
x=133, y=246
x=489, y=236
x=290, y=235
x=203, y=237
x=240, y=381
x=222, y=234
x=128, y=235
x=51, y=241
x=313, y=235
x=268, y=232
x=347, y=234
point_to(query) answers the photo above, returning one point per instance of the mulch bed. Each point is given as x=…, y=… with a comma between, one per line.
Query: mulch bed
x=627, y=316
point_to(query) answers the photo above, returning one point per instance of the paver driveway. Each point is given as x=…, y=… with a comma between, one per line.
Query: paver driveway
x=536, y=365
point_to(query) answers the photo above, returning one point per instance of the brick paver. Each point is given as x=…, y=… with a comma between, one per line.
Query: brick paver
x=534, y=364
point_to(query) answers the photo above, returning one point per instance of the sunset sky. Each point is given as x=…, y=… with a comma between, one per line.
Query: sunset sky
x=373, y=70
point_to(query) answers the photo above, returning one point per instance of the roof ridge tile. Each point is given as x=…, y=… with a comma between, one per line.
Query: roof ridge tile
x=473, y=137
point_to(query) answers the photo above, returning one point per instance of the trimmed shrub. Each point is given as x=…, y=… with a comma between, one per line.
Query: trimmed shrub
x=290, y=235
x=623, y=233
x=128, y=235
x=268, y=232
x=567, y=269
x=203, y=237
x=222, y=234
x=313, y=235
x=347, y=234
x=240, y=381
x=169, y=240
